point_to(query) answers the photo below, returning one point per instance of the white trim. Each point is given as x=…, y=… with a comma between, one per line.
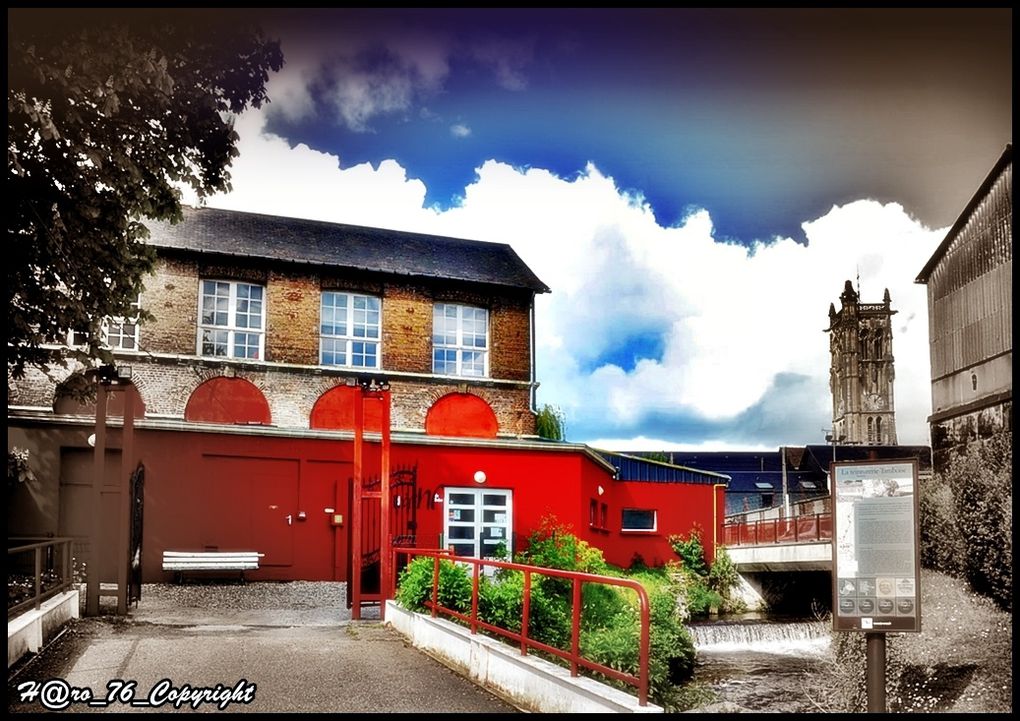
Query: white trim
x=478, y=523
x=458, y=346
x=231, y=328
x=349, y=338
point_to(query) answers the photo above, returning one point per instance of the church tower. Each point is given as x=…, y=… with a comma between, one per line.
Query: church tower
x=861, y=375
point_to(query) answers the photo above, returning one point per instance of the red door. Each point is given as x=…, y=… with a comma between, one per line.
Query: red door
x=251, y=505
x=323, y=533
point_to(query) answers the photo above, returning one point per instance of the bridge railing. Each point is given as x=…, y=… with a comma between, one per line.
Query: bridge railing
x=792, y=529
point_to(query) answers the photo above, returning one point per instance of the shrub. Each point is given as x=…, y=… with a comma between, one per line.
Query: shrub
x=415, y=585
x=982, y=490
x=691, y=551
x=942, y=546
x=671, y=649
x=723, y=579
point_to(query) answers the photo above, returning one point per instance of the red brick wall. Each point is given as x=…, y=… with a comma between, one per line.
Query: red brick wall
x=292, y=320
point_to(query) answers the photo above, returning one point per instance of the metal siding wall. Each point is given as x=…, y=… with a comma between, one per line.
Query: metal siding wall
x=971, y=289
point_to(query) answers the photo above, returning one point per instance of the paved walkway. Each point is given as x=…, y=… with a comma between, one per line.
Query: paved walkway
x=281, y=658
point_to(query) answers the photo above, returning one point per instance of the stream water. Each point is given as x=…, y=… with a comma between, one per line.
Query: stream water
x=761, y=664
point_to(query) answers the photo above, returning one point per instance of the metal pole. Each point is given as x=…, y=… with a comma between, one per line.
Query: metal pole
x=98, y=479
x=126, y=469
x=355, y=512
x=876, y=672
x=786, y=493
x=384, y=506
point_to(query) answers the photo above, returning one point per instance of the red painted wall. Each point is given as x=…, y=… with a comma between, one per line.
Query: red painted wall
x=335, y=410
x=228, y=400
x=235, y=492
x=461, y=414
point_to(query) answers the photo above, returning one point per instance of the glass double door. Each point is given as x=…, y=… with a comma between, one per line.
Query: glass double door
x=479, y=522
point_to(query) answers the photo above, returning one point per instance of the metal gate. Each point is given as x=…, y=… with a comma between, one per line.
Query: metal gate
x=403, y=525
x=134, y=590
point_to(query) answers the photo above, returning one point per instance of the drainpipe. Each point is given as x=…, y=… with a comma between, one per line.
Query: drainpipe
x=534, y=362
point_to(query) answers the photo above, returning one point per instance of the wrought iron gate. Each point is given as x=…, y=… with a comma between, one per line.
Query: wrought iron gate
x=134, y=590
x=403, y=525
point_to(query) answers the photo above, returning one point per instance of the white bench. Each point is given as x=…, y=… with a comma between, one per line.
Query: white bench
x=181, y=562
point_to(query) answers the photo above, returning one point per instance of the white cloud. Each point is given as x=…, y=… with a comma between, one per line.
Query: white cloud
x=357, y=76
x=641, y=443
x=460, y=130
x=732, y=322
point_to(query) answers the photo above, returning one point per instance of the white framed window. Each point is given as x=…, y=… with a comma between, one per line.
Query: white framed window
x=232, y=319
x=460, y=340
x=349, y=329
x=117, y=333
x=638, y=519
x=479, y=521
x=122, y=333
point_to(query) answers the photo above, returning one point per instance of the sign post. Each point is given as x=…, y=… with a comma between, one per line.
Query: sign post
x=875, y=557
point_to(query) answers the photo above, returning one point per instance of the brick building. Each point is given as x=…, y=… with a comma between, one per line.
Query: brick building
x=264, y=331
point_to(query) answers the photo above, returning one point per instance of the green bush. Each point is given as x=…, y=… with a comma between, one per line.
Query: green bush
x=671, y=649
x=942, y=545
x=691, y=551
x=723, y=579
x=415, y=585
x=982, y=485
x=501, y=603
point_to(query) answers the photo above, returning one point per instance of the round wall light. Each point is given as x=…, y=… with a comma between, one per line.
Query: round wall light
x=479, y=476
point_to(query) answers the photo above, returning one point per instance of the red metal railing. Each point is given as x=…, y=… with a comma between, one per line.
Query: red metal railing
x=573, y=656
x=50, y=570
x=792, y=529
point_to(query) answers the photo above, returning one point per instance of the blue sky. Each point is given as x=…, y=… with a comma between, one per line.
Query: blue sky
x=694, y=186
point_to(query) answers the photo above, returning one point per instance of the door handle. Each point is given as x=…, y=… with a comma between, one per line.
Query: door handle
x=290, y=519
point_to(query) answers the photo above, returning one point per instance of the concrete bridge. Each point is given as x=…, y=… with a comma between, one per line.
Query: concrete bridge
x=776, y=539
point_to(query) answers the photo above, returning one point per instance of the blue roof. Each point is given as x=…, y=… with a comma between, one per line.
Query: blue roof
x=807, y=467
x=634, y=468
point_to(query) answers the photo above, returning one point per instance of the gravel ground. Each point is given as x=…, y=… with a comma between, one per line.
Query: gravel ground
x=287, y=603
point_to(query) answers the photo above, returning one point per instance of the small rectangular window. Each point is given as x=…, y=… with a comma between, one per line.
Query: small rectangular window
x=638, y=519
x=593, y=512
x=604, y=517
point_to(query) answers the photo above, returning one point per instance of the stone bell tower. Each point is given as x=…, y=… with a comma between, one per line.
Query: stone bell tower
x=861, y=374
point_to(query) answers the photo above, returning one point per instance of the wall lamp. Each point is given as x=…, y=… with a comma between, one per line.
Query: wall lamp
x=109, y=374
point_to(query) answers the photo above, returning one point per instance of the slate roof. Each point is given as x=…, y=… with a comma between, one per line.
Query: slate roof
x=393, y=252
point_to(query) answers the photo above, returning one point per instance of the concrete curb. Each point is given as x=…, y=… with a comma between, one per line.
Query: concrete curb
x=28, y=632
x=530, y=682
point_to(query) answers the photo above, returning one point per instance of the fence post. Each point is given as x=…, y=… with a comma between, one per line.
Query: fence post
x=435, y=585
x=526, y=613
x=575, y=627
x=474, y=597
x=38, y=575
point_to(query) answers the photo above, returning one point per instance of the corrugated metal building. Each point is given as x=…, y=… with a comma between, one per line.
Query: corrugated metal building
x=970, y=319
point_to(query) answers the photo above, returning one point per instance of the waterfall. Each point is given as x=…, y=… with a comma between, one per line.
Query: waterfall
x=765, y=636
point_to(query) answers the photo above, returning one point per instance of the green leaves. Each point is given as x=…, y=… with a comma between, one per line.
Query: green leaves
x=106, y=110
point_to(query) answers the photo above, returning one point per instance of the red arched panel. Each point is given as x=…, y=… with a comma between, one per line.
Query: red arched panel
x=461, y=414
x=227, y=400
x=335, y=411
x=65, y=403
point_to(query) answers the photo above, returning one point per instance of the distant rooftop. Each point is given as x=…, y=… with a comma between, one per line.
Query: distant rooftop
x=394, y=252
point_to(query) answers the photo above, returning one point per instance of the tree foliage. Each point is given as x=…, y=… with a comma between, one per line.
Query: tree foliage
x=550, y=423
x=107, y=113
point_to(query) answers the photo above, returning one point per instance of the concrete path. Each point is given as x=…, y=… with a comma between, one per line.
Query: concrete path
x=250, y=659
